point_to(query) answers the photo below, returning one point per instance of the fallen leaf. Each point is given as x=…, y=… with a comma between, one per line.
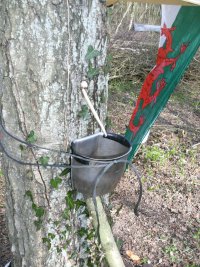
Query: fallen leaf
x=133, y=257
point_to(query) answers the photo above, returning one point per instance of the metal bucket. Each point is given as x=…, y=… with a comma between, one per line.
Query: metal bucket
x=96, y=152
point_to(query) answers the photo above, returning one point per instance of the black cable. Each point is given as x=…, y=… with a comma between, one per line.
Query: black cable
x=140, y=189
x=64, y=165
x=55, y=165
x=27, y=143
x=44, y=148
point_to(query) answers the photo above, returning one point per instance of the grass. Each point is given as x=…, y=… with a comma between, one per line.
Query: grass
x=121, y=86
x=172, y=252
x=155, y=154
x=197, y=235
x=183, y=96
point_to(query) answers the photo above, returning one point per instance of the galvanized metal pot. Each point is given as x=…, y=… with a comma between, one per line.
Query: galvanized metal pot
x=96, y=151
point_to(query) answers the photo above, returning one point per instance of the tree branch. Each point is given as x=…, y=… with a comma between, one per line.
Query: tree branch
x=109, y=246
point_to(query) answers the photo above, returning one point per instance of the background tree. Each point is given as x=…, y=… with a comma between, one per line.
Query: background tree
x=47, y=49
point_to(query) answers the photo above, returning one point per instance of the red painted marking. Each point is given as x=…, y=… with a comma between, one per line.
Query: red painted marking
x=161, y=62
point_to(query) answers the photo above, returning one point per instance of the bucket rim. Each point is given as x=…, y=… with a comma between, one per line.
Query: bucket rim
x=111, y=136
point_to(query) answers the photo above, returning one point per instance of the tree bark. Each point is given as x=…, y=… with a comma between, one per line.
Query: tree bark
x=43, y=59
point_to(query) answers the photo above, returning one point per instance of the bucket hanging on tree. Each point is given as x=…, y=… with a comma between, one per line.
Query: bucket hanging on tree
x=106, y=157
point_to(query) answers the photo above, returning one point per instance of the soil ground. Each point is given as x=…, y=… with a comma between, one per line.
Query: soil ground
x=167, y=230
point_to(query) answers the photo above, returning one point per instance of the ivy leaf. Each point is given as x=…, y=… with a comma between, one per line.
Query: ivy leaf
x=29, y=194
x=47, y=241
x=34, y=206
x=39, y=212
x=38, y=224
x=107, y=66
x=70, y=193
x=92, y=53
x=90, y=263
x=91, y=234
x=51, y=236
x=44, y=160
x=84, y=113
x=70, y=202
x=69, y=199
x=31, y=138
x=55, y=182
x=83, y=231
x=66, y=245
x=21, y=147
x=86, y=213
x=92, y=72
x=73, y=255
x=64, y=233
x=59, y=250
x=65, y=172
x=68, y=227
x=79, y=203
x=56, y=223
x=66, y=214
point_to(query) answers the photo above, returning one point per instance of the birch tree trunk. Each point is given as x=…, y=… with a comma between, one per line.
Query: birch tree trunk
x=44, y=56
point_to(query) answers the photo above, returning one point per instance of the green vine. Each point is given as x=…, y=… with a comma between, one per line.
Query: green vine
x=39, y=211
x=84, y=112
x=67, y=233
x=90, y=57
